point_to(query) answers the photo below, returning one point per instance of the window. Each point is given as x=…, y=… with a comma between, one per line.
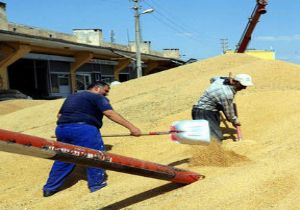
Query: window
x=82, y=81
x=107, y=78
x=60, y=83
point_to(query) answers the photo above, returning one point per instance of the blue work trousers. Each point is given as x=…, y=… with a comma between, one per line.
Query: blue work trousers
x=81, y=135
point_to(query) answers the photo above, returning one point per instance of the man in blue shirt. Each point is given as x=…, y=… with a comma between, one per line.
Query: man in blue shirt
x=79, y=121
x=219, y=97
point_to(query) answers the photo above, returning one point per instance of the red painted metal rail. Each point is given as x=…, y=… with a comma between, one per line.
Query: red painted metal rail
x=39, y=147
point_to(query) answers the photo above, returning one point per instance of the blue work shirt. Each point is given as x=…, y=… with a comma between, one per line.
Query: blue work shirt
x=84, y=107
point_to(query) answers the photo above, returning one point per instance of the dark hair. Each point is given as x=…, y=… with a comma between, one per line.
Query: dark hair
x=98, y=83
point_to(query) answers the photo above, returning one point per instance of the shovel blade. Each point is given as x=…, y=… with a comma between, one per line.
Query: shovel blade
x=191, y=132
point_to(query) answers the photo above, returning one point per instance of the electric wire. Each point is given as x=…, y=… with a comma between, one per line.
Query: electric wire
x=170, y=19
x=176, y=26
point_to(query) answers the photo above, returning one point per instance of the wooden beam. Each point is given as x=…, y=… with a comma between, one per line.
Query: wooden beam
x=12, y=53
x=122, y=64
x=80, y=59
x=3, y=79
x=150, y=66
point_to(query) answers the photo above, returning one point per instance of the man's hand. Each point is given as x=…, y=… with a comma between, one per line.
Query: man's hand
x=236, y=122
x=135, y=132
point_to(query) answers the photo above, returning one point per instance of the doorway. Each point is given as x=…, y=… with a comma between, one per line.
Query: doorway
x=29, y=77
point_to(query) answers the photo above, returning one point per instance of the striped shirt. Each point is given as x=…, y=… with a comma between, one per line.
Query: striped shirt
x=219, y=96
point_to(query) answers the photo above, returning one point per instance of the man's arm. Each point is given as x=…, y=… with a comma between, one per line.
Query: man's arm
x=114, y=116
x=228, y=111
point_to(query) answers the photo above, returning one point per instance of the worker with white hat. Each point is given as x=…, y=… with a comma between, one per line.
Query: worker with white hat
x=218, y=97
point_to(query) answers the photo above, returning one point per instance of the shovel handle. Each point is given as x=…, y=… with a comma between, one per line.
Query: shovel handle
x=238, y=128
x=143, y=134
x=238, y=132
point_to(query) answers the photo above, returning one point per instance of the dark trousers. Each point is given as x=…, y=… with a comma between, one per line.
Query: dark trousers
x=213, y=119
x=81, y=135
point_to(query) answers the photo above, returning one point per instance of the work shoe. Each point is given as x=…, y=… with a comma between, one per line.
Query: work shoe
x=48, y=193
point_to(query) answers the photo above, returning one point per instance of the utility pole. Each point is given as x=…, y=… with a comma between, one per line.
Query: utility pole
x=137, y=38
x=224, y=43
x=137, y=15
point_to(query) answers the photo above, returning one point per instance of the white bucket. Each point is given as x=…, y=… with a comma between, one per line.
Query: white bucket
x=191, y=132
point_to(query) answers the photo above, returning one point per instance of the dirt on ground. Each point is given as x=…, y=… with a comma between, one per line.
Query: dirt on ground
x=259, y=172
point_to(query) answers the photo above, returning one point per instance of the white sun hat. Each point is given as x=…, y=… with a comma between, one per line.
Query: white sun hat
x=244, y=79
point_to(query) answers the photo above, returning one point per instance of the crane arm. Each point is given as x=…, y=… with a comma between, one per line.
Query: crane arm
x=259, y=9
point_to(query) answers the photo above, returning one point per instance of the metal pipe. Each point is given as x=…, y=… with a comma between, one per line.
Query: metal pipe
x=39, y=147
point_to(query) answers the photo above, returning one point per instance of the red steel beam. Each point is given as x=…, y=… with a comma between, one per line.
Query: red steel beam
x=39, y=147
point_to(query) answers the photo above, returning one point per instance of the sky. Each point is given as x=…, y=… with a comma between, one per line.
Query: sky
x=195, y=27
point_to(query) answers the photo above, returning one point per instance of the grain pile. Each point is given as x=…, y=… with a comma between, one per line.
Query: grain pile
x=260, y=172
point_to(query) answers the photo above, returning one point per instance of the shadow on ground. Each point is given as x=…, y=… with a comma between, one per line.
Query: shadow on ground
x=143, y=196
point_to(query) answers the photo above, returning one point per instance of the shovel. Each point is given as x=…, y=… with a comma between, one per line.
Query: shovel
x=238, y=128
x=183, y=132
x=223, y=119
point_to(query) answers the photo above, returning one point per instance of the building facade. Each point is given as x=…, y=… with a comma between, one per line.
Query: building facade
x=48, y=64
